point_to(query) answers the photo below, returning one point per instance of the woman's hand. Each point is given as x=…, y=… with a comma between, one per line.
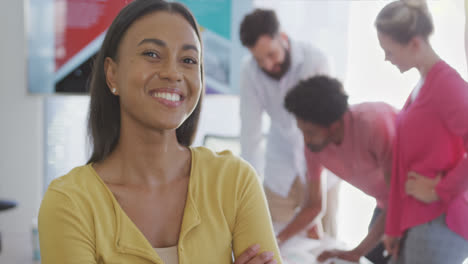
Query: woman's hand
x=251, y=256
x=351, y=255
x=422, y=187
x=392, y=246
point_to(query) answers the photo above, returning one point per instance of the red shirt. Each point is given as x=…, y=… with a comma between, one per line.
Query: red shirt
x=365, y=152
x=432, y=138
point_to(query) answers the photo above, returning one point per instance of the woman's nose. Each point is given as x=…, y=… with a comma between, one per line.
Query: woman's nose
x=170, y=72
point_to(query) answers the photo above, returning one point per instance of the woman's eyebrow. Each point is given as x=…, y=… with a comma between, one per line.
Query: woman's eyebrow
x=163, y=44
x=154, y=41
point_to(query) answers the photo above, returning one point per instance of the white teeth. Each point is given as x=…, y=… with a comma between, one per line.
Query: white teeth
x=168, y=96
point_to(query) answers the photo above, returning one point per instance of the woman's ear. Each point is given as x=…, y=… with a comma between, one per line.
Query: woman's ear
x=416, y=43
x=110, y=69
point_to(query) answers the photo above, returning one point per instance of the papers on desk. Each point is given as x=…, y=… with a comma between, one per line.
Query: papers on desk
x=302, y=250
x=340, y=261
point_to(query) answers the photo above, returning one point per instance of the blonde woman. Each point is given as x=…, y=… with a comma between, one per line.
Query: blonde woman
x=428, y=207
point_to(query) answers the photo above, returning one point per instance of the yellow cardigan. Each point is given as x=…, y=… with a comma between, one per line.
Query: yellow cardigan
x=80, y=221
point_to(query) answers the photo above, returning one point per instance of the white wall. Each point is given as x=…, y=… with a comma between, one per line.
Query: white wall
x=21, y=137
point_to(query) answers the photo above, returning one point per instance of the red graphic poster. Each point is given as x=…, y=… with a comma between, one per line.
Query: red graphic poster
x=78, y=23
x=79, y=30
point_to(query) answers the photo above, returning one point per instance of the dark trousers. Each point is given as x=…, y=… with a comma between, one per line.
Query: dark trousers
x=376, y=254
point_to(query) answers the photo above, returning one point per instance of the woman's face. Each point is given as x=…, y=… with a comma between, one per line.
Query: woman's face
x=398, y=54
x=157, y=72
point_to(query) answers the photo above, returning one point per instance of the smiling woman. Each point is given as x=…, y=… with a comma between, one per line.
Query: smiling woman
x=147, y=65
x=145, y=195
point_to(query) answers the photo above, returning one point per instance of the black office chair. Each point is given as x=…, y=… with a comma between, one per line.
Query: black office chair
x=5, y=205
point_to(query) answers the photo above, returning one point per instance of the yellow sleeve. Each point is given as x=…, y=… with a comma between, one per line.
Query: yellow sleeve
x=64, y=235
x=253, y=221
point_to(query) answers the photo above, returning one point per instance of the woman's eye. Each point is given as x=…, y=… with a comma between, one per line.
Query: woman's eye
x=151, y=54
x=190, y=61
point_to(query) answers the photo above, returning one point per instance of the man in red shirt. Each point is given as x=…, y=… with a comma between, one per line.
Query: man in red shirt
x=354, y=142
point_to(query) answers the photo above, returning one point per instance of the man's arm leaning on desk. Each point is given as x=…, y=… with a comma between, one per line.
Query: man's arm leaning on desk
x=314, y=203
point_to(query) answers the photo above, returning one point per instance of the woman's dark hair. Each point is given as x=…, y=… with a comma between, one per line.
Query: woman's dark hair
x=256, y=24
x=320, y=100
x=404, y=19
x=104, y=110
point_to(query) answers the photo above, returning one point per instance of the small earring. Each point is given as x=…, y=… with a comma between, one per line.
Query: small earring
x=114, y=90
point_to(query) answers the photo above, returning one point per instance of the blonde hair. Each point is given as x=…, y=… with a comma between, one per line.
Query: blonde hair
x=404, y=19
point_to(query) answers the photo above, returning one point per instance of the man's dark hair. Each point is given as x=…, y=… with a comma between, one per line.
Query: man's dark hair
x=319, y=99
x=256, y=24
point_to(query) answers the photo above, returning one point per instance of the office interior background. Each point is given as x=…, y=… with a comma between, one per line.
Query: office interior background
x=43, y=136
